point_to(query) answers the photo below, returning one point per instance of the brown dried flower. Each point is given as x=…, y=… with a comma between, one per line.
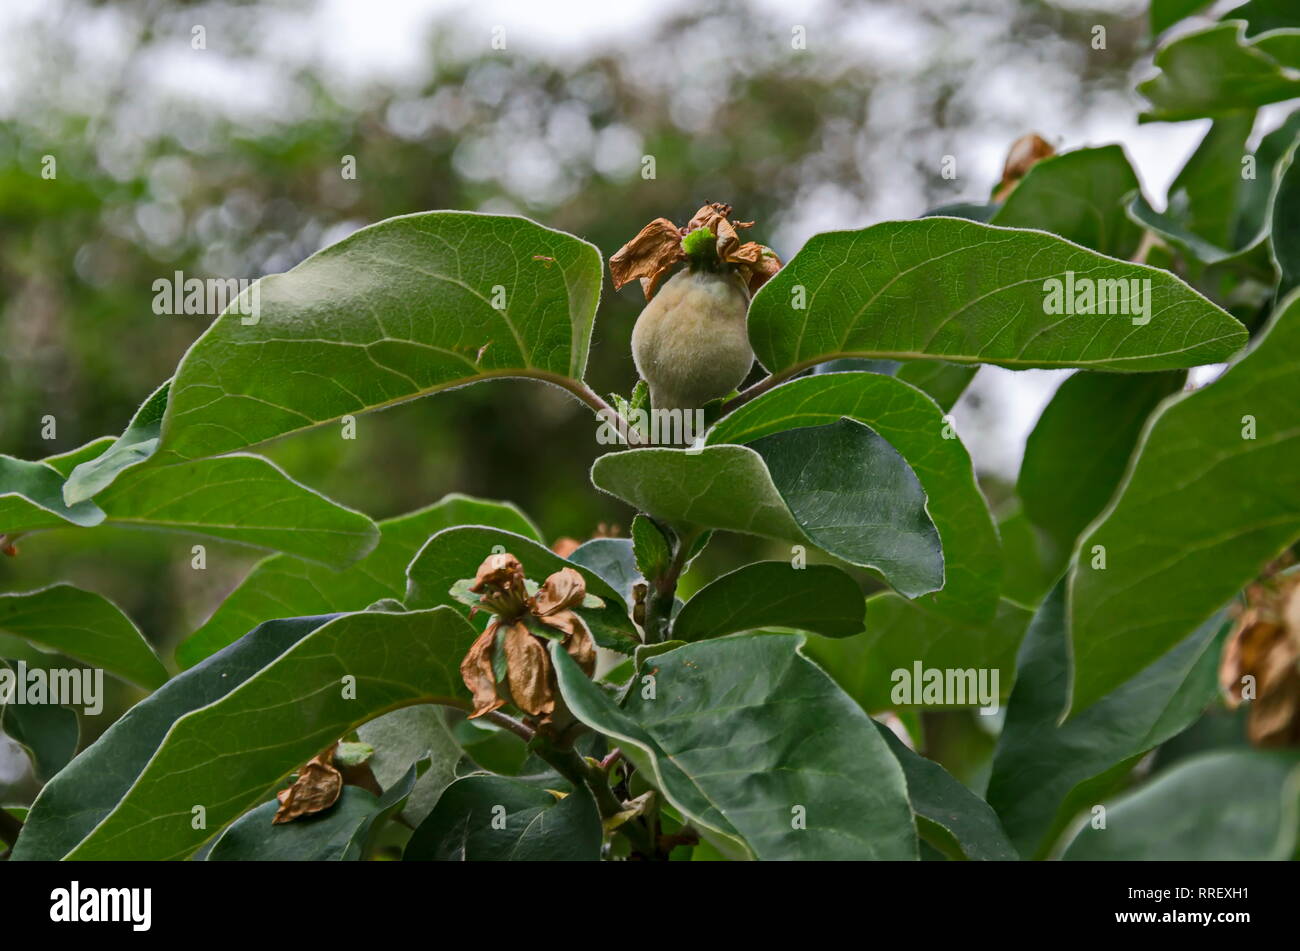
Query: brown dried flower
x=317, y=787
x=530, y=679
x=657, y=248
x=1026, y=152
x=1265, y=647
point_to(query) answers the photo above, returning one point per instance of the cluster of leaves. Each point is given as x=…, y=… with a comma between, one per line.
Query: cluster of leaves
x=737, y=723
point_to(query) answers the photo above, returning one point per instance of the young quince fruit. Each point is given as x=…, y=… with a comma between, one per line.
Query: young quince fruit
x=691, y=343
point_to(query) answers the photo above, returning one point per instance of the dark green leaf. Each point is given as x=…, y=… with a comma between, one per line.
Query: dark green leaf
x=940, y=801
x=495, y=819
x=819, y=598
x=83, y=625
x=1236, y=805
x=1079, y=450
x=759, y=749
x=1044, y=774
x=915, y=427
x=48, y=732
x=1080, y=196
x=1201, y=510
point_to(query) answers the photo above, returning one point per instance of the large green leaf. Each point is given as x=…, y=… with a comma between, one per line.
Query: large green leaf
x=49, y=733
x=1201, y=511
x=947, y=812
x=751, y=741
x=341, y=833
x=965, y=292
x=1045, y=774
x=285, y=586
x=229, y=755
x=1229, y=806
x=1080, y=196
x=454, y=554
x=917, y=428
x=31, y=497
x=91, y=786
x=136, y=444
x=900, y=635
x=818, y=598
x=394, y=311
x=496, y=819
x=1080, y=448
x=1217, y=71
x=83, y=625
x=840, y=487
x=241, y=498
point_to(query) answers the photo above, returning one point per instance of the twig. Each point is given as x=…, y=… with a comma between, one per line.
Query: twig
x=507, y=722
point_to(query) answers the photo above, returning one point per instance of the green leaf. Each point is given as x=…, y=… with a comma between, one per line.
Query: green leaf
x=1206, y=194
x=744, y=737
x=818, y=486
x=942, y=382
x=1216, y=71
x=1080, y=196
x=89, y=788
x=1079, y=450
x=1230, y=806
x=1201, y=510
x=1285, y=231
x=404, y=738
x=613, y=560
x=1165, y=13
x=340, y=833
x=947, y=289
x=465, y=826
x=31, y=497
x=1032, y=562
x=456, y=553
x=947, y=811
x=395, y=311
x=1264, y=15
x=90, y=476
x=86, y=626
x=651, y=550
x=1045, y=774
x=285, y=586
x=48, y=732
x=917, y=428
x=899, y=635
x=241, y=498
x=818, y=598
x=229, y=755
x=855, y=496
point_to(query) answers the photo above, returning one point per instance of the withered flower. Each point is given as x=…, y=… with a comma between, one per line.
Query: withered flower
x=529, y=678
x=1265, y=645
x=1026, y=152
x=317, y=787
x=658, y=247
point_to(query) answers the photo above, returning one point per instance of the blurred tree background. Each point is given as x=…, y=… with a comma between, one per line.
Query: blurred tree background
x=226, y=161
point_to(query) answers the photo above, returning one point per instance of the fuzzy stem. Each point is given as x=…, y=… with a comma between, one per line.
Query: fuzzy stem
x=506, y=722
x=662, y=591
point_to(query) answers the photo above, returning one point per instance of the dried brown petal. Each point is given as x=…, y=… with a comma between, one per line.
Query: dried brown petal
x=728, y=239
x=648, y=256
x=529, y=671
x=579, y=642
x=564, y=589
x=1265, y=645
x=708, y=217
x=476, y=671
x=317, y=788
x=1024, y=154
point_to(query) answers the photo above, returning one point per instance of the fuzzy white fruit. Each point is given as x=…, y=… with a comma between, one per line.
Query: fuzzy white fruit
x=690, y=343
